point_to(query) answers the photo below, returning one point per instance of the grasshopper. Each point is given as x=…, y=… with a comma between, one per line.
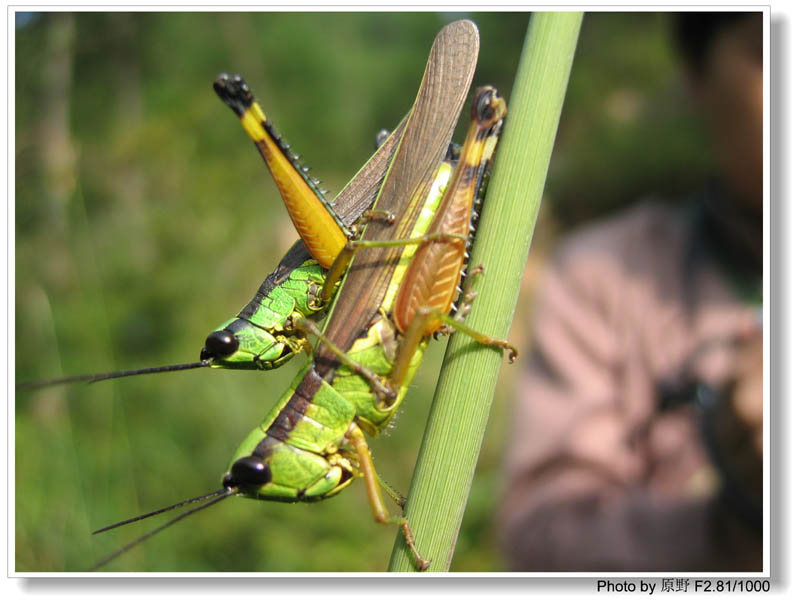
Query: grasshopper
x=312, y=443
x=260, y=336
x=257, y=337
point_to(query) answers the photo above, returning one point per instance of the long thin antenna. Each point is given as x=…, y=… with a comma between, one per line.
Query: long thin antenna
x=216, y=496
x=213, y=494
x=32, y=385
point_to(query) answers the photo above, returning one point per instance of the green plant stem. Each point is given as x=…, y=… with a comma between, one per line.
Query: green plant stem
x=460, y=410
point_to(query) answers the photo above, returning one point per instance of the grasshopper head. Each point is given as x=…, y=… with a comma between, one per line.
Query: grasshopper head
x=238, y=344
x=266, y=468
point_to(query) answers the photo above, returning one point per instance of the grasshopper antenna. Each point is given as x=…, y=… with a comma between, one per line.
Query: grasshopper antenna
x=32, y=385
x=207, y=499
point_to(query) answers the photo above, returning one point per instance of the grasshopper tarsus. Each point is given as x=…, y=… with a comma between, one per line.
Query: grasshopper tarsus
x=512, y=354
x=421, y=563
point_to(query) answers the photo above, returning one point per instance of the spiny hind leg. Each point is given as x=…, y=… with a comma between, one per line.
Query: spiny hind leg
x=467, y=297
x=455, y=322
x=372, y=482
x=420, y=323
x=396, y=496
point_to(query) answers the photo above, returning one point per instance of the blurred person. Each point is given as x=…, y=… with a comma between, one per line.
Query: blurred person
x=636, y=441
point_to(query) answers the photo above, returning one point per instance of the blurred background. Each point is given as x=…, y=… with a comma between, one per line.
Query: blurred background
x=144, y=218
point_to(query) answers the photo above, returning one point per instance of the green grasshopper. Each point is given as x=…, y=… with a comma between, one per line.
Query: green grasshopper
x=260, y=337
x=312, y=443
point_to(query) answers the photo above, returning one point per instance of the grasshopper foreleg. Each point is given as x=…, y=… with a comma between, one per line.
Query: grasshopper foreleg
x=468, y=295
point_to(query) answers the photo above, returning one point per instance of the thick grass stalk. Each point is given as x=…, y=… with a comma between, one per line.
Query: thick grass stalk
x=460, y=410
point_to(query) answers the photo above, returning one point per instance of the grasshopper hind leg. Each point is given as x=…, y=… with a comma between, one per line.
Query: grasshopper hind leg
x=468, y=295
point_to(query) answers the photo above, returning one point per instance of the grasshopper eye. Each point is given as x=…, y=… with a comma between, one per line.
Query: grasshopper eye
x=248, y=471
x=219, y=343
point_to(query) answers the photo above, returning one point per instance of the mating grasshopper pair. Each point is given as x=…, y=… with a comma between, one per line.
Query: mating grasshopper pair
x=402, y=276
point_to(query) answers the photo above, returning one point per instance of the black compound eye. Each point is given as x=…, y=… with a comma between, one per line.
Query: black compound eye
x=248, y=471
x=219, y=344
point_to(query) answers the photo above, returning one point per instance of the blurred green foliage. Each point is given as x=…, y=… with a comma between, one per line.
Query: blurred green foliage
x=627, y=129
x=144, y=218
